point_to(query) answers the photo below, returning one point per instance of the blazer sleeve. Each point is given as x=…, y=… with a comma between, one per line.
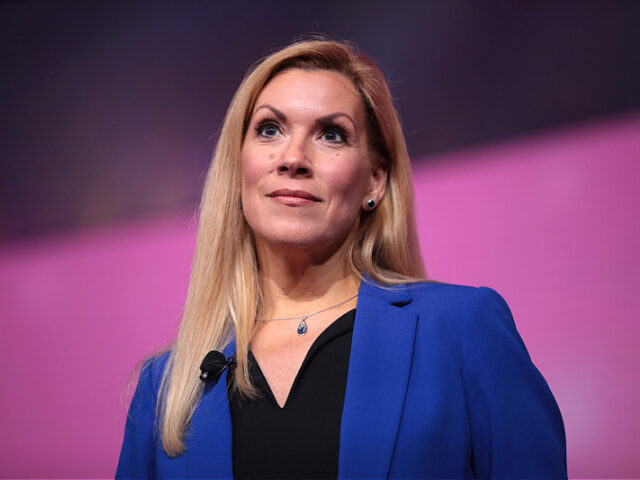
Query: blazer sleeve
x=516, y=425
x=137, y=456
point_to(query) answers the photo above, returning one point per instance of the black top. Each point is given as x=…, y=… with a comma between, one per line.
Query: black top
x=302, y=439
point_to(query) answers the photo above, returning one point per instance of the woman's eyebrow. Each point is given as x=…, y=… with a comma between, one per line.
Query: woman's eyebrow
x=281, y=116
x=319, y=121
x=328, y=118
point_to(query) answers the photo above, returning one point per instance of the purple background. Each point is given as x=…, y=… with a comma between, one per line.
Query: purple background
x=523, y=123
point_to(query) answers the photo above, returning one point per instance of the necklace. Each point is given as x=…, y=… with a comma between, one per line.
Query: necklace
x=302, y=326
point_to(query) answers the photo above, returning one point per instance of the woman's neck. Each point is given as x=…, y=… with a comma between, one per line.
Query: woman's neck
x=295, y=283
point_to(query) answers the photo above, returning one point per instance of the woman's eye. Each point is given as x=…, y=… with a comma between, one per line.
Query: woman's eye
x=268, y=130
x=334, y=135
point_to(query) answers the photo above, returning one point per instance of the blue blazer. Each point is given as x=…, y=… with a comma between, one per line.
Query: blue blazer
x=440, y=385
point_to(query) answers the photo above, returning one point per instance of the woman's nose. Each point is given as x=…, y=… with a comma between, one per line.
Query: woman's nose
x=294, y=160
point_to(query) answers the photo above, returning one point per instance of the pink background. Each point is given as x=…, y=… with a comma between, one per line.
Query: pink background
x=550, y=221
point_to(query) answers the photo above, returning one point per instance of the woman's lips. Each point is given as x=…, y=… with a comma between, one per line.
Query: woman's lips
x=293, y=198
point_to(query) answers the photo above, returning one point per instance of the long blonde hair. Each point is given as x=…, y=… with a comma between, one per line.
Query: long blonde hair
x=225, y=296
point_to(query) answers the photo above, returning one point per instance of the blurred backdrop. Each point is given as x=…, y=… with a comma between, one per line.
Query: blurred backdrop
x=523, y=125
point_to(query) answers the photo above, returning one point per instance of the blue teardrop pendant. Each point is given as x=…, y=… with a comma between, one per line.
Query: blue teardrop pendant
x=302, y=327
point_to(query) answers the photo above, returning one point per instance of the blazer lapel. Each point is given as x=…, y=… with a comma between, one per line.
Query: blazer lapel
x=379, y=368
x=209, y=454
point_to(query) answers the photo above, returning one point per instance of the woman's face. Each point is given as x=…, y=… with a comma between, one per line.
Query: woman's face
x=306, y=168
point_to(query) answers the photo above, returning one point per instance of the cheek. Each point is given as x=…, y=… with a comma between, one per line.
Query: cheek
x=253, y=169
x=250, y=178
x=350, y=181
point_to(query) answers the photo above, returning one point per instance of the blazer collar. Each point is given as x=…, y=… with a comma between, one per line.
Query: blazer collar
x=377, y=379
x=396, y=295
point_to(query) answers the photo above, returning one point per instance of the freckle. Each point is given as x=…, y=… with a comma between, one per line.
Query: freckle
x=272, y=156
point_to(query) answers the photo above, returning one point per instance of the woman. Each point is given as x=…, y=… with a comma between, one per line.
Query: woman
x=307, y=272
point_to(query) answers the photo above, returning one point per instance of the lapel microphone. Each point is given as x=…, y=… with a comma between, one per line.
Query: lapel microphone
x=213, y=365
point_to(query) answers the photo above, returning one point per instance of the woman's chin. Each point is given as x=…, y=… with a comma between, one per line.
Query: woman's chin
x=298, y=242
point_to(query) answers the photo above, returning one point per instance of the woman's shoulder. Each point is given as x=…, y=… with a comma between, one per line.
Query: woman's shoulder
x=444, y=305
x=151, y=373
x=436, y=295
x=479, y=314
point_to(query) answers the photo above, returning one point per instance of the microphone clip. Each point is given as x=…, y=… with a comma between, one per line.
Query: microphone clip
x=213, y=365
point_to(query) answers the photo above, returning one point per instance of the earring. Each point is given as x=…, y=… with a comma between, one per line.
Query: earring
x=371, y=203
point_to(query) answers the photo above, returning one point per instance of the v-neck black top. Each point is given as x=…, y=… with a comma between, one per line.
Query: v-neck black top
x=302, y=439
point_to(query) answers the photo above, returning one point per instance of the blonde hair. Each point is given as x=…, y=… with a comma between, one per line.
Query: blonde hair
x=225, y=296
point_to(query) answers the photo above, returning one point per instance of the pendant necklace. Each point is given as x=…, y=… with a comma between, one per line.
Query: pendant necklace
x=302, y=326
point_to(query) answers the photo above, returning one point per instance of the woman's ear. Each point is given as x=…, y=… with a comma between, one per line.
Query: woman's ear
x=377, y=185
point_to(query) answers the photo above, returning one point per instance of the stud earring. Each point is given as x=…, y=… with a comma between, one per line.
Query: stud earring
x=371, y=203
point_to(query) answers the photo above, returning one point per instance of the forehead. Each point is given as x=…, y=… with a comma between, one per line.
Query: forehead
x=315, y=91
